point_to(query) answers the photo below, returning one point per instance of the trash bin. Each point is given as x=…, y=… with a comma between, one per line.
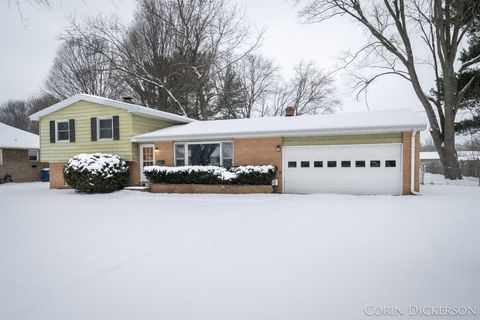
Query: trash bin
x=45, y=175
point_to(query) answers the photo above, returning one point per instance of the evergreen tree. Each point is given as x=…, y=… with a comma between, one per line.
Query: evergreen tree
x=471, y=100
x=230, y=99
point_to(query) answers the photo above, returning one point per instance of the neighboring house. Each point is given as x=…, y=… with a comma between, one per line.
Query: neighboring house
x=469, y=162
x=359, y=153
x=19, y=161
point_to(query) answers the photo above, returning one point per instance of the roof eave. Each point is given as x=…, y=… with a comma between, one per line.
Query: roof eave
x=283, y=133
x=131, y=108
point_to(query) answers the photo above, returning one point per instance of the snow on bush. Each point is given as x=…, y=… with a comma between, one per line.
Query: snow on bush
x=256, y=175
x=96, y=173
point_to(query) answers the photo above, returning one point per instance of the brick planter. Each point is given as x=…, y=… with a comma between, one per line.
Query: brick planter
x=207, y=188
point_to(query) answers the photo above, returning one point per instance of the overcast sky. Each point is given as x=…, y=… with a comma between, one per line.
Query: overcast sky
x=28, y=46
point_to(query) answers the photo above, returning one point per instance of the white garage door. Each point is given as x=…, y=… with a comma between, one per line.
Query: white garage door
x=351, y=169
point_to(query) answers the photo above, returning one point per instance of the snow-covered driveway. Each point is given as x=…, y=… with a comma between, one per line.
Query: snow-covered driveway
x=133, y=255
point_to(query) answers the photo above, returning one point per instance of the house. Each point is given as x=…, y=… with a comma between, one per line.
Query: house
x=19, y=161
x=88, y=124
x=358, y=153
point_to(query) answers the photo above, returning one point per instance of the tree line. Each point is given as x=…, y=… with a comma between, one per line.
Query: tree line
x=196, y=58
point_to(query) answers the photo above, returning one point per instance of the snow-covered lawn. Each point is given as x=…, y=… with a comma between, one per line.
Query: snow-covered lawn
x=133, y=255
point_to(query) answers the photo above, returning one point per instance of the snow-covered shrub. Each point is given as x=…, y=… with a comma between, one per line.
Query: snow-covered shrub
x=96, y=173
x=258, y=175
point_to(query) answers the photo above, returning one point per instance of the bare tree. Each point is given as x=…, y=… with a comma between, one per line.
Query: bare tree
x=393, y=25
x=16, y=113
x=257, y=76
x=79, y=69
x=427, y=145
x=311, y=91
x=173, y=49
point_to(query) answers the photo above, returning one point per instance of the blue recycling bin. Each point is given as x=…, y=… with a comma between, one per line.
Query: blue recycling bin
x=45, y=175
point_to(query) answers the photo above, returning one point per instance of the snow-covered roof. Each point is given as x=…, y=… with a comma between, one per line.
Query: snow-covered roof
x=13, y=138
x=132, y=108
x=332, y=124
x=462, y=155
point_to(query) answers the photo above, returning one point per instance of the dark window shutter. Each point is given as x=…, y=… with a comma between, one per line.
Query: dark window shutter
x=52, y=131
x=71, y=125
x=116, y=128
x=93, y=128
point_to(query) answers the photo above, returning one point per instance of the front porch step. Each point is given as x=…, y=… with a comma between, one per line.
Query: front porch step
x=139, y=188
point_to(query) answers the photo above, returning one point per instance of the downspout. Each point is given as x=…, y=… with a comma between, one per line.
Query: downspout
x=412, y=171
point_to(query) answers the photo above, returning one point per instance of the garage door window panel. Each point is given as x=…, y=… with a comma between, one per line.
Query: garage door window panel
x=375, y=164
x=292, y=164
x=346, y=164
x=390, y=163
x=360, y=164
x=305, y=164
x=332, y=164
x=318, y=164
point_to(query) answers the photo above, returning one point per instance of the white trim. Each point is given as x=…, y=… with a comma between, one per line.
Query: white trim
x=132, y=108
x=186, y=143
x=273, y=133
x=98, y=128
x=37, y=155
x=1, y=157
x=56, y=130
x=141, y=146
x=412, y=163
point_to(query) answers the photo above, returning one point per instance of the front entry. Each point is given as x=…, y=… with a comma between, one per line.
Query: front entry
x=147, y=158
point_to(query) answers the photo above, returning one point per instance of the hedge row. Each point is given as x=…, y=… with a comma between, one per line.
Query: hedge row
x=251, y=175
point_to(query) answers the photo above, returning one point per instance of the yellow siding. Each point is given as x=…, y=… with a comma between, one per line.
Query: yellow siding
x=130, y=125
x=143, y=125
x=347, y=139
x=82, y=112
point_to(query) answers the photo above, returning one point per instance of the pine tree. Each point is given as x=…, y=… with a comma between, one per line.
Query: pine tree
x=471, y=100
x=230, y=101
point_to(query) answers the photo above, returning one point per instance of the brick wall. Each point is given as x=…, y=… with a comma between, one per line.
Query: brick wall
x=407, y=163
x=259, y=151
x=134, y=173
x=164, y=152
x=16, y=164
x=56, y=175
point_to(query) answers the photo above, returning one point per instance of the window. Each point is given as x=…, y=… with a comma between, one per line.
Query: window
x=346, y=164
x=390, y=163
x=332, y=164
x=292, y=164
x=360, y=164
x=227, y=154
x=179, y=154
x=305, y=164
x=317, y=164
x=63, y=131
x=375, y=164
x=105, y=128
x=204, y=154
x=32, y=155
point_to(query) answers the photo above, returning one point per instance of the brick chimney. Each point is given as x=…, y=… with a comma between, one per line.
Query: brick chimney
x=289, y=111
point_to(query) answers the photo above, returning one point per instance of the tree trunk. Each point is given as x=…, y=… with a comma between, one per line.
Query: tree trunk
x=451, y=166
